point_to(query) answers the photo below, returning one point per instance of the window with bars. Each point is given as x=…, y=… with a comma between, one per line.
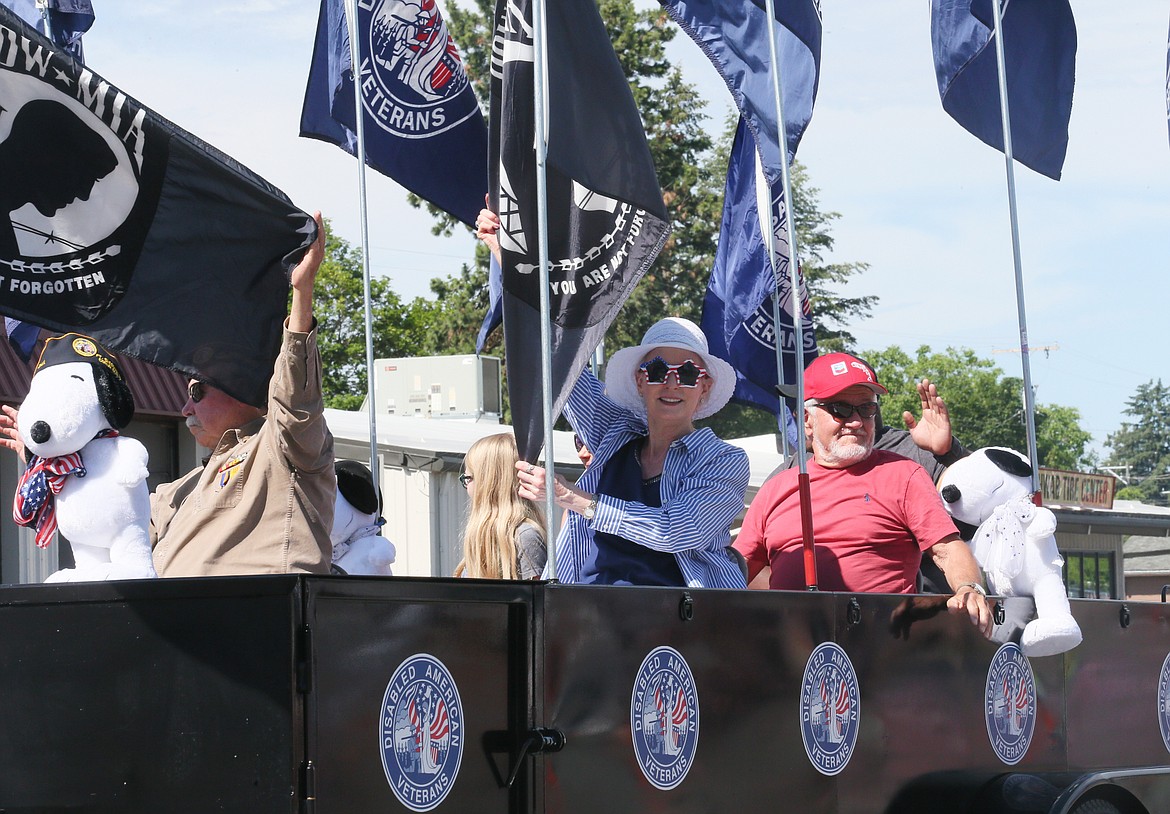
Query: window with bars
x=1090, y=574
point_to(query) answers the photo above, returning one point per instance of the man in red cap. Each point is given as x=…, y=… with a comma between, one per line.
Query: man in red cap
x=874, y=513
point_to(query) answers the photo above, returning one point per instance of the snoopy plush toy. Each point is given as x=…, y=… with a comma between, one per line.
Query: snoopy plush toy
x=82, y=476
x=989, y=495
x=358, y=545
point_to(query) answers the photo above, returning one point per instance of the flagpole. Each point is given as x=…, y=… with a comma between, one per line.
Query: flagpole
x=810, y=563
x=1005, y=116
x=43, y=5
x=539, y=78
x=769, y=233
x=360, y=131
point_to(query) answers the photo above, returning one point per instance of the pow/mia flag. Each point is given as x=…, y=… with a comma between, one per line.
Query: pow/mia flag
x=606, y=219
x=117, y=223
x=422, y=123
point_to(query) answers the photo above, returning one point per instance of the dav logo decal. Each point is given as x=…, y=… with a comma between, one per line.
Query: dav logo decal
x=830, y=708
x=412, y=78
x=1164, y=702
x=1010, y=704
x=664, y=718
x=421, y=732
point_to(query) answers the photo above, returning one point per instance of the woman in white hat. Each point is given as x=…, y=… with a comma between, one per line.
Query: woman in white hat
x=656, y=504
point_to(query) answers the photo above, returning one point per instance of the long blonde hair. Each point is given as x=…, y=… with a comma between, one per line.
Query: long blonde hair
x=497, y=510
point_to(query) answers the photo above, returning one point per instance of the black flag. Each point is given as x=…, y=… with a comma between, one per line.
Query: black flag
x=606, y=219
x=115, y=222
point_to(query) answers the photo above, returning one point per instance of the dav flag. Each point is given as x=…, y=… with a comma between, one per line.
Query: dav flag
x=734, y=36
x=1040, y=49
x=22, y=336
x=116, y=223
x=68, y=19
x=737, y=311
x=422, y=125
x=606, y=218
x=495, y=312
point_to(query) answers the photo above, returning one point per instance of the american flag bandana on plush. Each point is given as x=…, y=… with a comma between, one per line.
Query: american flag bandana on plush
x=33, y=502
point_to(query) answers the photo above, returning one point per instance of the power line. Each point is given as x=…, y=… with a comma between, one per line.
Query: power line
x=1031, y=349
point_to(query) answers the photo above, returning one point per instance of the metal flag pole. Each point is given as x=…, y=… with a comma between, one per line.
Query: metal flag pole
x=539, y=91
x=1005, y=116
x=360, y=131
x=43, y=5
x=810, y=562
x=764, y=205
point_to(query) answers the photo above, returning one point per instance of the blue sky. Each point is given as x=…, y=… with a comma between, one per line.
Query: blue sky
x=923, y=202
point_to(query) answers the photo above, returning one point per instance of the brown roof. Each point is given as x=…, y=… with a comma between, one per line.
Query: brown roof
x=157, y=391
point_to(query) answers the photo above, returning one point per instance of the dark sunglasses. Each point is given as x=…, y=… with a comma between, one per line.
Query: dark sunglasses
x=843, y=410
x=196, y=390
x=687, y=374
x=577, y=442
x=465, y=479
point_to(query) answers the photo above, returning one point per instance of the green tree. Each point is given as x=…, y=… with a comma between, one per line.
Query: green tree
x=986, y=406
x=460, y=303
x=338, y=306
x=832, y=311
x=1144, y=444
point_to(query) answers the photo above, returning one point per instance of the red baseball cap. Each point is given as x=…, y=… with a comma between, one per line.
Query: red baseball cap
x=828, y=375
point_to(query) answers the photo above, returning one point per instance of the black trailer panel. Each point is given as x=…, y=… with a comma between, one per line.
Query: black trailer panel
x=1113, y=684
x=363, y=630
x=747, y=653
x=145, y=696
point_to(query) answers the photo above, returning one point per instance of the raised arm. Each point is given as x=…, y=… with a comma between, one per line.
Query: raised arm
x=931, y=432
x=304, y=276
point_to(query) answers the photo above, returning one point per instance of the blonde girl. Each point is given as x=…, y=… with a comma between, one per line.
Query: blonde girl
x=505, y=533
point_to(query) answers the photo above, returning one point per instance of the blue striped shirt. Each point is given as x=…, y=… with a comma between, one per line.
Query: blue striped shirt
x=703, y=484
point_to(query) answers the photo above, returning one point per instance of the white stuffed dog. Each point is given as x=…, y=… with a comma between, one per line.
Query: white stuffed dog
x=358, y=544
x=82, y=476
x=989, y=495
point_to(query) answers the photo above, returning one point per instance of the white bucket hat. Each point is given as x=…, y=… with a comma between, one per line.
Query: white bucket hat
x=672, y=332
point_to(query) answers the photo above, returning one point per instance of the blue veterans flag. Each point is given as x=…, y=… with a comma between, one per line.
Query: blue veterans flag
x=115, y=222
x=423, y=126
x=737, y=311
x=22, y=336
x=1040, y=48
x=66, y=20
x=735, y=38
x=495, y=312
x=606, y=218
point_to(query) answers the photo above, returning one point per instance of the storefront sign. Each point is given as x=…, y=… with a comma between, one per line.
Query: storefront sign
x=1077, y=489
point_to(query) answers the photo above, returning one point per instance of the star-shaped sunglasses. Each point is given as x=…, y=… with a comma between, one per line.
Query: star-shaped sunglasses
x=687, y=374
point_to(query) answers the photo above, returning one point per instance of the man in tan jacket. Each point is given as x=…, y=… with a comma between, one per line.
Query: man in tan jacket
x=263, y=501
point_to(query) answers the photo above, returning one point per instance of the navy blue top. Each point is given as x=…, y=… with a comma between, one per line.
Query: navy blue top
x=616, y=560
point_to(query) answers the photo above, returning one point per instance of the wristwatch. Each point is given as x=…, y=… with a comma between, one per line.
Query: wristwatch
x=590, y=510
x=975, y=586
